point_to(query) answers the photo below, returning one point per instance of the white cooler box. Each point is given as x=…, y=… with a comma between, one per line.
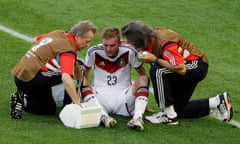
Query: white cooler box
x=74, y=116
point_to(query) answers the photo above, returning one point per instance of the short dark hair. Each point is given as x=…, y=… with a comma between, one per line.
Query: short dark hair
x=138, y=33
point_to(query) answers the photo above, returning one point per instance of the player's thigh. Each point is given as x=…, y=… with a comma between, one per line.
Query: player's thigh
x=126, y=103
x=105, y=98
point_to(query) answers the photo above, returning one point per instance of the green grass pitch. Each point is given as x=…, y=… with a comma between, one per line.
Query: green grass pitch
x=213, y=26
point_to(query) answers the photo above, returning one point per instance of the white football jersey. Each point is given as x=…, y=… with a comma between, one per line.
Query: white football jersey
x=112, y=72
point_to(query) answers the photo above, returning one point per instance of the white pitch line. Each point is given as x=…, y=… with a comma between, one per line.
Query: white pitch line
x=29, y=39
x=16, y=34
x=231, y=122
x=235, y=123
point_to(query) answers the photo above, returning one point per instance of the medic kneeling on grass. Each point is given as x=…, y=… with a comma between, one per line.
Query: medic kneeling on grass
x=51, y=60
x=177, y=66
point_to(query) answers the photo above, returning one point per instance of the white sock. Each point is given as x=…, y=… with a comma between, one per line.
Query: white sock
x=93, y=99
x=214, y=102
x=90, y=98
x=170, y=111
x=140, y=106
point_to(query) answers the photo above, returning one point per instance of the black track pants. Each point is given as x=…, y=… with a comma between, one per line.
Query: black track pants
x=39, y=93
x=174, y=89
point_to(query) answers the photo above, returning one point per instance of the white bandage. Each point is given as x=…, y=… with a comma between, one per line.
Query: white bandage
x=74, y=116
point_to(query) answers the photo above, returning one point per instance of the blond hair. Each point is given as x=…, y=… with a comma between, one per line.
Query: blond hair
x=111, y=32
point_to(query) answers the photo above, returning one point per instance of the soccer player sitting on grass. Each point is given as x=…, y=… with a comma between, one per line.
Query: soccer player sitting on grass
x=177, y=66
x=111, y=62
